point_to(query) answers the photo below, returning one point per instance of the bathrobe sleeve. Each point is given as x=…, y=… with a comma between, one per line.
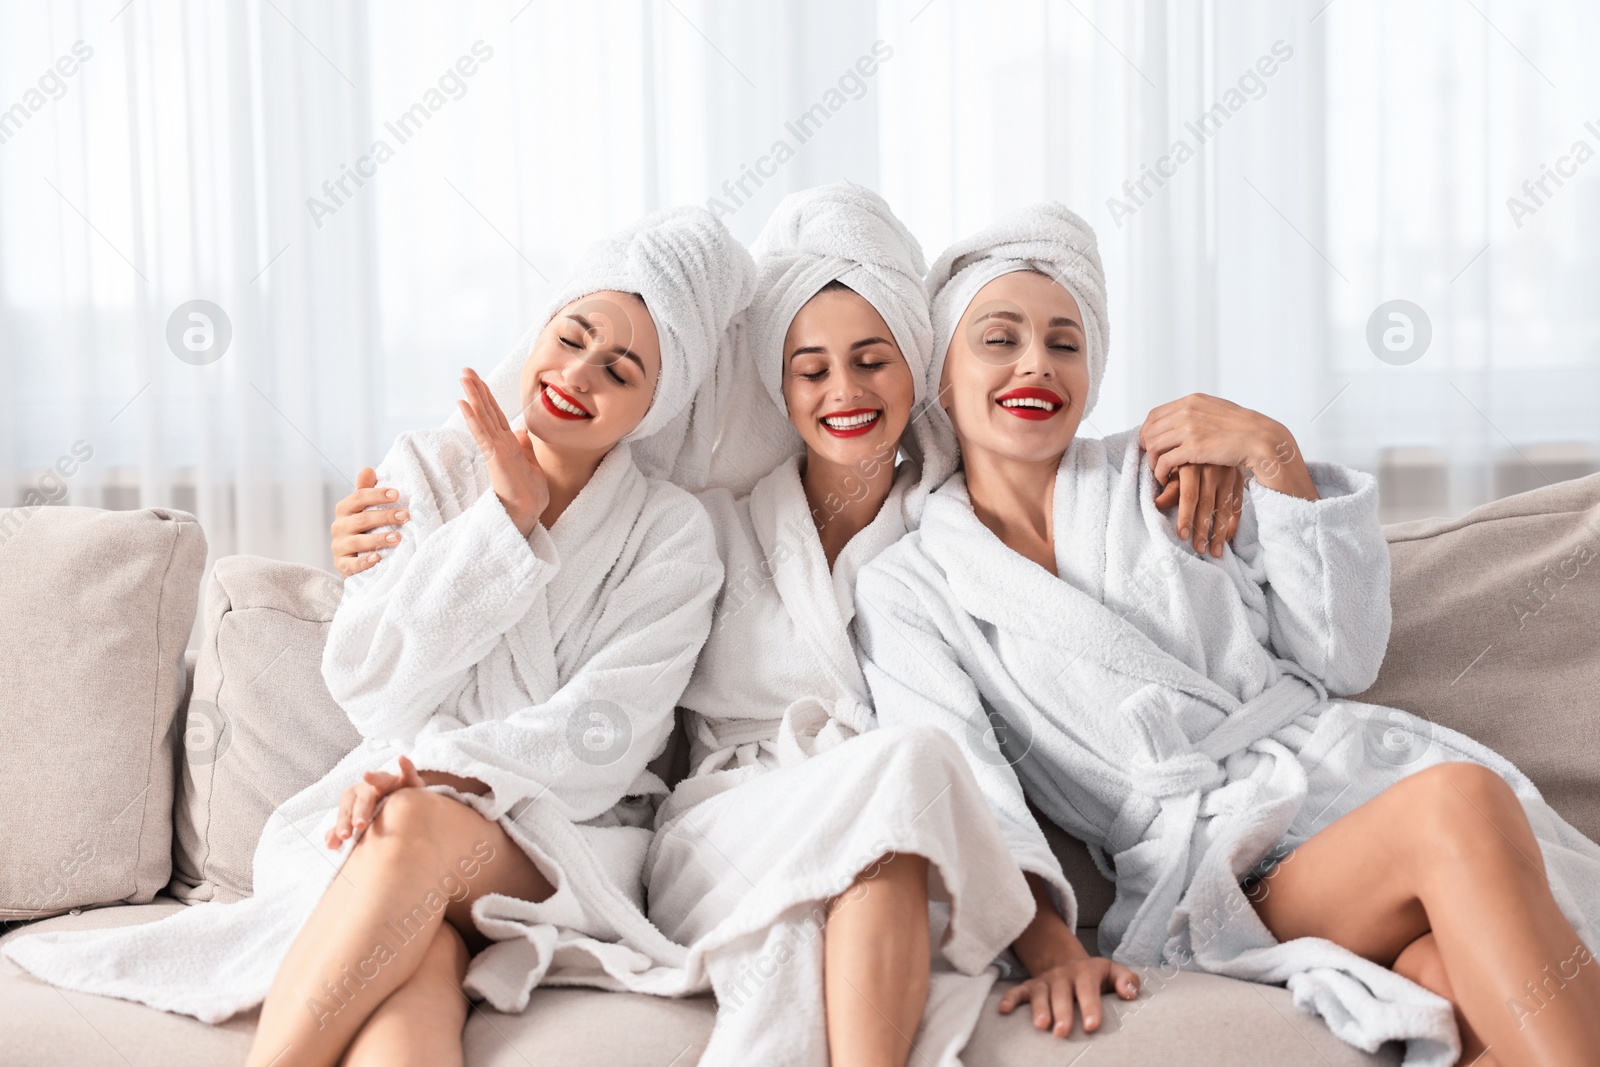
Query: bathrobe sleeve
x=916, y=679
x=586, y=747
x=410, y=629
x=1326, y=567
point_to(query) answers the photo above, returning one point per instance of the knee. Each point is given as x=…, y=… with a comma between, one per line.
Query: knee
x=1464, y=810
x=409, y=819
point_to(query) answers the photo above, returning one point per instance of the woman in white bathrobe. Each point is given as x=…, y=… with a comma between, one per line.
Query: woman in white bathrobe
x=513, y=665
x=1179, y=712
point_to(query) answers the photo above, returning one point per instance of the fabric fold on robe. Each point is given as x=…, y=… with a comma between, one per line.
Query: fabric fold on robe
x=1183, y=715
x=547, y=667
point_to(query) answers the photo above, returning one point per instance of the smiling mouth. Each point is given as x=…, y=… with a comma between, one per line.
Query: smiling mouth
x=1032, y=404
x=851, y=423
x=560, y=404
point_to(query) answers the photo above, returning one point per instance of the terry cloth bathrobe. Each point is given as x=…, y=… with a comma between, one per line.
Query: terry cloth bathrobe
x=786, y=805
x=546, y=666
x=1180, y=714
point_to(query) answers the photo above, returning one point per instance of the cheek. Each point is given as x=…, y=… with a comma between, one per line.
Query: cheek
x=902, y=389
x=799, y=399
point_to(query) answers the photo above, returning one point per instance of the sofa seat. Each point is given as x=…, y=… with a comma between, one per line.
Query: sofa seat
x=1192, y=1019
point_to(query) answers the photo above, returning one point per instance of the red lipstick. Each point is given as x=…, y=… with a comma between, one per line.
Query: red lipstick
x=856, y=422
x=1046, y=404
x=545, y=389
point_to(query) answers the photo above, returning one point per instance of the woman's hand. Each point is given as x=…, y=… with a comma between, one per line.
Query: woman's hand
x=355, y=807
x=354, y=549
x=1207, y=429
x=1061, y=969
x=1209, y=498
x=1051, y=992
x=513, y=470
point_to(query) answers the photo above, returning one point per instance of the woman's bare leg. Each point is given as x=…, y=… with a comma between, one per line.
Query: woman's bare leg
x=1448, y=851
x=419, y=1023
x=1420, y=961
x=875, y=964
x=425, y=856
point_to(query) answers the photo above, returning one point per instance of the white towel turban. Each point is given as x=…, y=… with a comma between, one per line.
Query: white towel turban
x=1045, y=237
x=694, y=278
x=840, y=232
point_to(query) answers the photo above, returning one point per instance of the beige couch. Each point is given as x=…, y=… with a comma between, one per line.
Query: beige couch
x=138, y=778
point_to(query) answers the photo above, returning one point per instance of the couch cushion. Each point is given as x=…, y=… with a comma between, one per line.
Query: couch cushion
x=591, y=1028
x=98, y=608
x=1198, y=1020
x=1495, y=635
x=260, y=724
x=46, y=1027
x=1179, y=1018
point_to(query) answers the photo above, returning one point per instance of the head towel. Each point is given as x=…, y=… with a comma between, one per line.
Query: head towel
x=840, y=232
x=1045, y=237
x=694, y=278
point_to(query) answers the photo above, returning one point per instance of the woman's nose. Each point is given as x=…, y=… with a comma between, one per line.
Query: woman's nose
x=847, y=386
x=1035, y=360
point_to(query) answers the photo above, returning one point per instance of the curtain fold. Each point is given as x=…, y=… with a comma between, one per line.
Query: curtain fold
x=377, y=195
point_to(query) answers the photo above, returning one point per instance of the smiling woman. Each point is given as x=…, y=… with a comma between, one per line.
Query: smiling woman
x=548, y=578
x=1187, y=715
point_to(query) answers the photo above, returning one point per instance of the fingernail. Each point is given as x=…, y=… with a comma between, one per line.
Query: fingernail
x=402, y=515
x=372, y=558
x=391, y=538
x=391, y=494
x=1183, y=531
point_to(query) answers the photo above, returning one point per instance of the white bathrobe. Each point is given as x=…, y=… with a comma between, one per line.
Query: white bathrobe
x=786, y=805
x=547, y=667
x=1176, y=712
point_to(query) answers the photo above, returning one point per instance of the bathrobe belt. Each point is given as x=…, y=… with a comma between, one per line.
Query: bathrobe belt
x=808, y=727
x=1181, y=772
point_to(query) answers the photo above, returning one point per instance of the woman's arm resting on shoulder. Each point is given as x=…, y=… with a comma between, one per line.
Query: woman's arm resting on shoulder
x=369, y=506
x=1207, y=429
x=1315, y=534
x=1060, y=970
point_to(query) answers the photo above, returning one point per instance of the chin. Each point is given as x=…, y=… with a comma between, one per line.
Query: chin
x=851, y=451
x=1034, y=447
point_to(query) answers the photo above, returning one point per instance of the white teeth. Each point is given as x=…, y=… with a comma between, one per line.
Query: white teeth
x=1029, y=402
x=849, y=422
x=555, y=398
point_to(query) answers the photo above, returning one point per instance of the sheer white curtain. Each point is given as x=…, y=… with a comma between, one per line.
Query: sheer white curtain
x=378, y=194
x=1374, y=162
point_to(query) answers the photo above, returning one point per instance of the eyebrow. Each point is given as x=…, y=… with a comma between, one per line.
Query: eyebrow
x=620, y=350
x=818, y=349
x=1012, y=316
